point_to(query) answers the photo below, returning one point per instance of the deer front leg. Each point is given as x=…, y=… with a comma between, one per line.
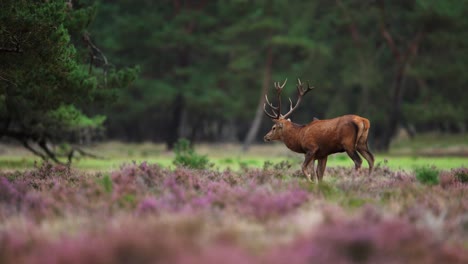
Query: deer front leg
x=309, y=156
x=321, y=165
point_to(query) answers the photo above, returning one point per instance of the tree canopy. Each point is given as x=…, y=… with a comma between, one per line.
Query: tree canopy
x=205, y=66
x=47, y=87
x=207, y=63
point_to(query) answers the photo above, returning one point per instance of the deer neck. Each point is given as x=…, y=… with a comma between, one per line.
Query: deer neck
x=292, y=137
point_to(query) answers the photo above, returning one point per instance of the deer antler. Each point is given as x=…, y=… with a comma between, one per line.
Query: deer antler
x=302, y=92
x=275, y=109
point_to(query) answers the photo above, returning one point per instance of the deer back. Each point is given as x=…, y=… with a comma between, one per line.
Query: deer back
x=330, y=135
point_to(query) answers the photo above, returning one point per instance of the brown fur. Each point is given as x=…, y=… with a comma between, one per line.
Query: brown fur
x=320, y=138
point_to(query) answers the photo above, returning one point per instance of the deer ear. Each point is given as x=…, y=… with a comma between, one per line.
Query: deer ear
x=289, y=119
x=315, y=119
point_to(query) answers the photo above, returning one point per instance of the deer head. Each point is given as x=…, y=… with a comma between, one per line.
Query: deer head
x=276, y=132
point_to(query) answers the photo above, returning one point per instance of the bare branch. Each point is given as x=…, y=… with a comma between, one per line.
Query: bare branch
x=16, y=49
x=43, y=145
x=93, y=49
x=386, y=33
x=35, y=152
x=7, y=80
x=86, y=153
x=355, y=35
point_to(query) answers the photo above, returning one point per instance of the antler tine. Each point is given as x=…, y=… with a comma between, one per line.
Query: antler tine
x=290, y=104
x=301, y=92
x=280, y=87
x=309, y=87
x=275, y=116
x=300, y=88
x=284, y=83
x=274, y=109
x=270, y=104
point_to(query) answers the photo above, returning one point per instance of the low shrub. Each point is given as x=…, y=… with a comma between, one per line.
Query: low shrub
x=461, y=174
x=185, y=155
x=106, y=183
x=427, y=175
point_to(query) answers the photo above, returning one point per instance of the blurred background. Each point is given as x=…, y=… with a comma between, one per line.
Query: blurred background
x=74, y=73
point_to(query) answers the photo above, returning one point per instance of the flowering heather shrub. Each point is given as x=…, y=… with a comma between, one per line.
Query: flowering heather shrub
x=50, y=170
x=264, y=204
x=16, y=198
x=367, y=240
x=186, y=190
x=461, y=174
x=446, y=179
x=148, y=205
x=128, y=216
x=142, y=176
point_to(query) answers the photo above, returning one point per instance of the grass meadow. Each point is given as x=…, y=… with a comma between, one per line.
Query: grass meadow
x=444, y=152
x=136, y=206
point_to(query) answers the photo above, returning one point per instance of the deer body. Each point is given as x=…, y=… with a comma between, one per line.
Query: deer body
x=320, y=138
x=327, y=136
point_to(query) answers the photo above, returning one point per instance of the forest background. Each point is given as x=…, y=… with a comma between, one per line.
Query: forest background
x=85, y=71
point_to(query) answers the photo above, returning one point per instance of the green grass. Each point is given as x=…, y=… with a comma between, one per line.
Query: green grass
x=442, y=151
x=403, y=162
x=238, y=162
x=432, y=144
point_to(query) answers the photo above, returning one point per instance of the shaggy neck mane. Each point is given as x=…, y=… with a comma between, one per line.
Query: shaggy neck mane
x=292, y=139
x=297, y=125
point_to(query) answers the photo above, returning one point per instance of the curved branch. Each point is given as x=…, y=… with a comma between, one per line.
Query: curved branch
x=43, y=144
x=386, y=33
x=95, y=50
x=35, y=152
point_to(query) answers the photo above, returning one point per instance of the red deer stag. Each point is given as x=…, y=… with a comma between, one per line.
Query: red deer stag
x=319, y=138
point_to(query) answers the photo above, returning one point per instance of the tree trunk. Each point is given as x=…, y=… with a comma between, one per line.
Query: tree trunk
x=253, y=131
x=173, y=128
x=402, y=60
x=395, y=110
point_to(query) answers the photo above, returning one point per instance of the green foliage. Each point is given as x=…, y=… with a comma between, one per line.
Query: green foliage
x=106, y=183
x=329, y=191
x=282, y=165
x=69, y=118
x=48, y=91
x=427, y=175
x=185, y=155
x=127, y=200
x=213, y=56
x=461, y=175
x=354, y=202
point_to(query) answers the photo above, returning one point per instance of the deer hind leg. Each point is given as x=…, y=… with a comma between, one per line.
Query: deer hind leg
x=321, y=164
x=309, y=158
x=364, y=151
x=355, y=157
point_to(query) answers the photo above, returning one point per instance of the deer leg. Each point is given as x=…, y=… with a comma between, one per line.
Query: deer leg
x=355, y=157
x=309, y=157
x=364, y=151
x=312, y=171
x=321, y=164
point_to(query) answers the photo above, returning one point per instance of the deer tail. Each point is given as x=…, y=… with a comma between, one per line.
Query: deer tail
x=361, y=128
